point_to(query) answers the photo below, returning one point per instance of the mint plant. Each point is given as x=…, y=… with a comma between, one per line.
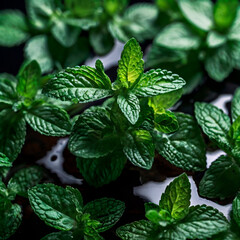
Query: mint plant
x=198, y=33
x=103, y=137
x=10, y=213
x=225, y=171
x=63, y=209
x=21, y=102
x=174, y=219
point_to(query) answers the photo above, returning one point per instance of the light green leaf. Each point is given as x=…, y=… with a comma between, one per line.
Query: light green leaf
x=215, y=39
x=83, y=23
x=130, y=106
x=233, y=32
x=198, y=12
x=93, y=134
x=53, y=205
x=130, y=66
x=236, y=209
x=8, y=93
x=29, y=79
x=49, y=120
x=139, y=148
x=156, y=82
x=13, y=28
x=215, y=183
x=24, y=179
x=105, y=169
x=105, y=210
x=10, y=220
x=178, y=36
x=236, y=105
x=176, y=198
x=58, y=236
x=79, y=84
x=114, y=6
x=184, y=148
x=235, y=132
x=4, y=161
x=139, y=230
x=215, y=124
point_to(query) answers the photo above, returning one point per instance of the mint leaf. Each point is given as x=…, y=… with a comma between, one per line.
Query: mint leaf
x=29, y=79
x=139, y=148
x=53, y=205
x=13, y=28
x=235, y=131
x=4, y=161
x=8, y=93
x=216, y=180
x=156, y=82
x=76, y=197
x=24, y=179
x=178, y=36
x=176, y=198
x=215, y=124
x=233, y=32
x=49, y=120
x=105, y=169
x=236, y=105
x=130, y=106
x=151, y=206
x=236, y=209
x=105, y=210
x=10, y=220
x=58, y=236
x=79, y=84
x=198, y=12
x=185, y=148
x=130, y=66
x=140, y=230
x=93, y=134
x=13, y=133
x=224, y=13
x=215, y=39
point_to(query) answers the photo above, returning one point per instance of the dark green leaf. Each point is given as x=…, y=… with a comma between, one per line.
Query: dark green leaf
x=184, y=148
x=151, y=206
x=58, y=236
x=235, y=132
x=236, y=105
x=4, y=161
x=76, y=197
x=222, y=173
x=8, y=93
x=236, y=209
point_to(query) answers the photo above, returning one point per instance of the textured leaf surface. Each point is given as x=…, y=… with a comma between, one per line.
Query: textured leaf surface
x=131, y=63
x=185, y=148
x=215, y=124
x=49, y=120
x=105, y=210
x=58, y=236
x=9, y=221
x=198, y=12
x=156, y=82
x=236, y=209
x=4, y=161
x=176, y=198
x=82, y=84
x=236, y=105
x=93, y=135
x=130, y=107
x=24, y=179
x=235, y=132
x=7, y=91
x=139, y=148
x=222, y=173
x=105, y=169
x=178, y=36
x=53, y=205
x=215, y=39
x=139, y=230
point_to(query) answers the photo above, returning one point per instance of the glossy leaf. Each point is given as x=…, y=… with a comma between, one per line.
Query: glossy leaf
x=4, y=161
x=236, y=105
x=236, y=209
x=8, y=93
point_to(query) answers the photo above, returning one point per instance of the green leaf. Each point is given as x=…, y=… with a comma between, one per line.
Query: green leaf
x=13, y=28
x=233, y=32
x=105, y=169
x=162, y=217
x=76, y=197
x=53, y=205
x=7, y=91
x=130, y=66
x=236, y=209
x=215, y=39
x=28, y=79
x=83, y=23
x=10, y=220
x=93, y=134
x=105, y=210
x=178, y=36
x=58, y=236
x=215, y=124
x=225, y=13
x=49, y=120
x=235, y=132
x=216, y=180
x=4, y=161
x=139, y=230
x=198, y=12
x=184, y=148
x=79, y=84
x=236, y=105
x=139, y=148
x=37, y=49
x=151, y=206
x=24, y=179
x=13, y=132
x=156, y=82
x=130, y=106
x=114, y=6
x=176, y=198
